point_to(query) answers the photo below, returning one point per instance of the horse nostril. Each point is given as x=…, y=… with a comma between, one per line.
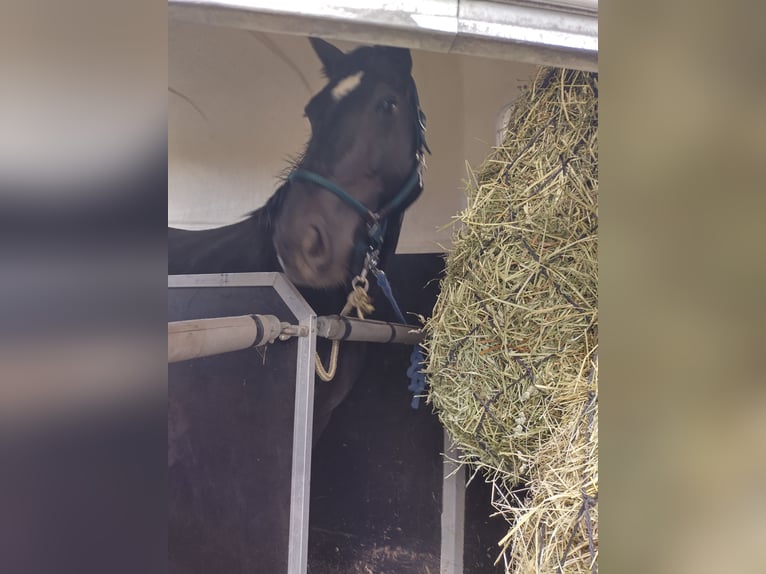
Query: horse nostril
x=315, y=247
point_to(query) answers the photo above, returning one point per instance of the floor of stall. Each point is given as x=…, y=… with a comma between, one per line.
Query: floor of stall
x=377, y=470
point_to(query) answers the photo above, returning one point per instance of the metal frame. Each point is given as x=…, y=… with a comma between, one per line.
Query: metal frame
x=453, y=484
x=562, y=33
x=304, y=396
x=453, y=510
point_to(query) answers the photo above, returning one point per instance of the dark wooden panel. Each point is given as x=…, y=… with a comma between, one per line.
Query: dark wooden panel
x=377, y=470
x=230, y=444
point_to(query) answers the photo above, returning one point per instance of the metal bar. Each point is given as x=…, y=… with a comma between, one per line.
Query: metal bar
x=304, y=395
x=303, y=422
x=563, y=34
x=584, y=6
x=224, y=280
x=206, y=337
x=531, y=34
x=420, y=24
x=453, y=510
x=339, y=328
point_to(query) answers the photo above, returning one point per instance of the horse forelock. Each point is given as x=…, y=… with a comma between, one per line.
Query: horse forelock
x=361, y=67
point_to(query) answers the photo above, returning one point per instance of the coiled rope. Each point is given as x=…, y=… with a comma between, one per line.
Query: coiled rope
x=357, y=299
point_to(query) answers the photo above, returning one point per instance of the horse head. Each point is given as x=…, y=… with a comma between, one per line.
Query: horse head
x=360, y=170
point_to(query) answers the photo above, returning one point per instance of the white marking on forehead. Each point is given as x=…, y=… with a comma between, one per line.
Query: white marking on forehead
x=346, y=86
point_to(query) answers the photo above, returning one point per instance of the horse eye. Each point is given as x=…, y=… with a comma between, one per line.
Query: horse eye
x=387, y=105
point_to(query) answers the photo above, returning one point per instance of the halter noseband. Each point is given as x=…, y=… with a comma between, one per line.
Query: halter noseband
x=377, y=220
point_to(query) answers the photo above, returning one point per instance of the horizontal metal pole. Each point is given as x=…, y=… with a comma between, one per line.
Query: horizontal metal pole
x=206, y=337
x=556, y=33
x=340, y=328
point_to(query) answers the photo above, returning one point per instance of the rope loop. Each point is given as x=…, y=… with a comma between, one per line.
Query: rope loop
x=327, y=374
x=361, y=282
x=357, y=299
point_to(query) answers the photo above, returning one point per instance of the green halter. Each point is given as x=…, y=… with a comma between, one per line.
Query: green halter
x=377, y=220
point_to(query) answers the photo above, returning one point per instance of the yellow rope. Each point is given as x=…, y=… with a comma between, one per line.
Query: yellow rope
x=358, y=299
x=327, y=374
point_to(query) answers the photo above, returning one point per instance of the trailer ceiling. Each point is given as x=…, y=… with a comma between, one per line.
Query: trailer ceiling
x=561, y=33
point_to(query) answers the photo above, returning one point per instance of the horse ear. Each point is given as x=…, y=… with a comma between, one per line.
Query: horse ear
x=328, y=54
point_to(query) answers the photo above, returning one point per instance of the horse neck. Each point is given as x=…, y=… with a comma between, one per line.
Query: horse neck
x=247, y=247
x=241, y=247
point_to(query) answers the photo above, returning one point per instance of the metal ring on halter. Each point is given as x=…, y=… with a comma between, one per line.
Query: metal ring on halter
x=360, y=281
x=371, y=261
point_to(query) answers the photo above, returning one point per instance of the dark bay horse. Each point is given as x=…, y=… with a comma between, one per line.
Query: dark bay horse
x=339, y=208
x=345, y=196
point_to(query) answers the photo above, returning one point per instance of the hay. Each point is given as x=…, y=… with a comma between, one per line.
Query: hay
x=512, y=343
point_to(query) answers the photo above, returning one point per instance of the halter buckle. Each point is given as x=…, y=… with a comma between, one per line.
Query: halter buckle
x=375, y=232
x=371, y=260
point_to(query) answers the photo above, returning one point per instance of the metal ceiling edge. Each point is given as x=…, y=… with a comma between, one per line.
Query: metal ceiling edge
x=536, y=34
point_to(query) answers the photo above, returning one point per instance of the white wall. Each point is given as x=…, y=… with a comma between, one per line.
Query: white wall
x=251, y=87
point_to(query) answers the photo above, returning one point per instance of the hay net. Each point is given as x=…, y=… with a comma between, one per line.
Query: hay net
x=512, y=343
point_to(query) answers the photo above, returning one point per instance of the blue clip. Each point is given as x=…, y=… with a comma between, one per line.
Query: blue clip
x=417, y=358
x=417, y=376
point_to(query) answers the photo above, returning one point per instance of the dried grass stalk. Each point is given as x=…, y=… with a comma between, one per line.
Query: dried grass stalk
x=512, y=343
